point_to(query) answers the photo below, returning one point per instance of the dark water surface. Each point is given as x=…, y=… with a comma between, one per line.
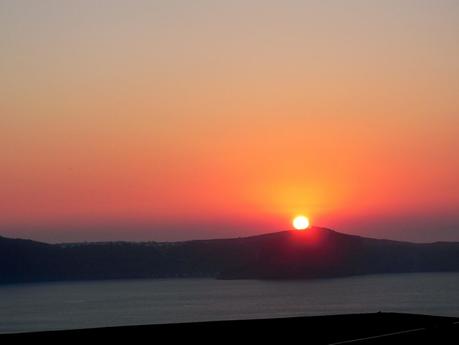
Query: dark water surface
x=66, y=305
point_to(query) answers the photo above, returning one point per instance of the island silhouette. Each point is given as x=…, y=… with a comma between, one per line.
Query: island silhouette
x=315, y=253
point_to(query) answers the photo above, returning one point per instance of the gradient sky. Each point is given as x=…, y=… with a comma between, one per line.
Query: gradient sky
x=172, y=120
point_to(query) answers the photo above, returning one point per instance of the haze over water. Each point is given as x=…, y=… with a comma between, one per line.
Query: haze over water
x=66, y=305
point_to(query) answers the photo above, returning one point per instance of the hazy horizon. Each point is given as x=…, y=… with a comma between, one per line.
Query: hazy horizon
x=147, y=233
x=172, y=120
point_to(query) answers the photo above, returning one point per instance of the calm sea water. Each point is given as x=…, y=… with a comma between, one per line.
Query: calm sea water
x=65, y=305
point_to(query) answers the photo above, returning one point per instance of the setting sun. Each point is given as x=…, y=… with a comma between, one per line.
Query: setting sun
x=300, y=223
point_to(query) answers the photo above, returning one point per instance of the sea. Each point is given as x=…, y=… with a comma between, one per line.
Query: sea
x=87, y=304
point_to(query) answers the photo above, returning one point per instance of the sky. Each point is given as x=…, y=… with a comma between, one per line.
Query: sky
x=174, y=120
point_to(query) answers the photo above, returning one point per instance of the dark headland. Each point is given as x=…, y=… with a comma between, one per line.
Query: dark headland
x=315, y=253
x=376, y=328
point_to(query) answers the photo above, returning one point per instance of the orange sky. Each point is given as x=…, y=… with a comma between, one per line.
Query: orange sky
x=173, y=120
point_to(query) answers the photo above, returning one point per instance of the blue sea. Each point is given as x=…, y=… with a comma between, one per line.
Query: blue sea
x=68, y=305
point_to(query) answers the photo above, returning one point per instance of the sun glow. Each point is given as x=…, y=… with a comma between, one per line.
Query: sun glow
x=300, y=223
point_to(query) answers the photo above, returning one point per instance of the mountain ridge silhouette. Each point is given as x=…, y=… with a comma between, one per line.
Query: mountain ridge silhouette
x=313, y=253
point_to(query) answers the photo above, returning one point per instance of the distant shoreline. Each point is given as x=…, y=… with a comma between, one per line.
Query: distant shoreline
x=285, y=255
x=220, y=279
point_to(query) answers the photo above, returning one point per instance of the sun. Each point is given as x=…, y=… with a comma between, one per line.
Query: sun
x=300, y=223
